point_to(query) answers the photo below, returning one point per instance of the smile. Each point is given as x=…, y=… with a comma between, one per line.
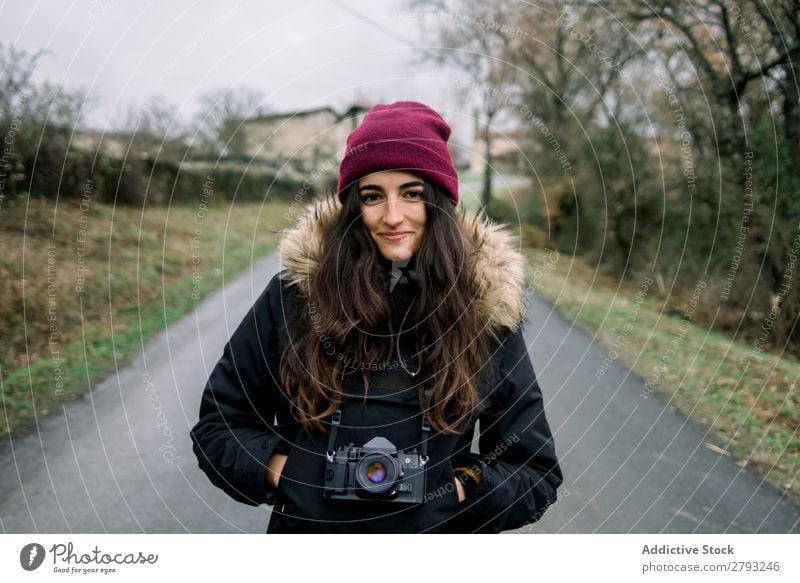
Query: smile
x=397, y=237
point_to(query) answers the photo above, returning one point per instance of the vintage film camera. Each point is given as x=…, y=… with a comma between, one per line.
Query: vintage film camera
x=376, y=471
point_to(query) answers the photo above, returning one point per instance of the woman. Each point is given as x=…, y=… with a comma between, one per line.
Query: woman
x=348, y=397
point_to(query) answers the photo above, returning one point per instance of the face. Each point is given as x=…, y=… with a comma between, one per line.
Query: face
x=393, y=212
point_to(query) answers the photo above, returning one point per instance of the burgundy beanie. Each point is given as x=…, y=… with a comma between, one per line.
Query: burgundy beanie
x=405, y=135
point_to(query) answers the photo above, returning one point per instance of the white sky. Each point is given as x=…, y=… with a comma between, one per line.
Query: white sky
x=301, y=53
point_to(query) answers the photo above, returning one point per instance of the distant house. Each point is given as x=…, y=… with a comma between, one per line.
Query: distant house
x=303, y=140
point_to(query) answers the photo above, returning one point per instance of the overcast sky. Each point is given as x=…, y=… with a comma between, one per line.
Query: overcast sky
x=300, y=53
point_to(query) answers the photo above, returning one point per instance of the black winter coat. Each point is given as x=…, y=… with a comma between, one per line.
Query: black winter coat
x=245, y=417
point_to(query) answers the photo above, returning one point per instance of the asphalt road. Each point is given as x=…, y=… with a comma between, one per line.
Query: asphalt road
x=119, y=460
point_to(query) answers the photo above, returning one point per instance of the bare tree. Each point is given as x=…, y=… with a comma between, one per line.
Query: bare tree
x=154, y=128
x=574, y=56
x=222, y=112
x=726, y=56
x=479, y=39
x=737, y=63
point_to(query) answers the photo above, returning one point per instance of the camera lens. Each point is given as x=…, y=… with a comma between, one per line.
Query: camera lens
x=376, y=472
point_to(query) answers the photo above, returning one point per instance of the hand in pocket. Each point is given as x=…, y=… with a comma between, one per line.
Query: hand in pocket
x=460, y=490
x=275, y=469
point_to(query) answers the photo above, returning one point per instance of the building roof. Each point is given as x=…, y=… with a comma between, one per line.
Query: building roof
x=355, y=108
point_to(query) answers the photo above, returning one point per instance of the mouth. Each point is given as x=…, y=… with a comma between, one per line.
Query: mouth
x=395, y=236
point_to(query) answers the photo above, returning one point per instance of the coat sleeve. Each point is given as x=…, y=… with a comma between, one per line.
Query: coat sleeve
x=235, y=435
x=517, y=460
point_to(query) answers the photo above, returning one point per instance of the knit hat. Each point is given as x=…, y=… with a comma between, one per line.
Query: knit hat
x=405, y=135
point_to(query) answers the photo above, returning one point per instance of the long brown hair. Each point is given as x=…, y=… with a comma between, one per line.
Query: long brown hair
x=345, y=319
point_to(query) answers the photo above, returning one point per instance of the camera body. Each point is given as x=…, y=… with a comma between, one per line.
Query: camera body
x=375, y=471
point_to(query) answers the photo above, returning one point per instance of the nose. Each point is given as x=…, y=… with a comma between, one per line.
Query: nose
x=393, y=212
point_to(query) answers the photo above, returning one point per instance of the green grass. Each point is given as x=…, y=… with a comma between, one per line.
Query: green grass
x=139, y=280
x=749, y=401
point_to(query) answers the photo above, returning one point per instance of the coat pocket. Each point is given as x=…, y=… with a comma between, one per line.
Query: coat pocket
x=300, y=486
x=285, y=477
x=297, y=473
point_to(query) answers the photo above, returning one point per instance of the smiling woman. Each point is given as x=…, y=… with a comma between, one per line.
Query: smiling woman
x=393, y=212
x=349, y=395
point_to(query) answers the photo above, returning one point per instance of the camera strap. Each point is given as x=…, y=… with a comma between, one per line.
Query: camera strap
x=336, y=420
x=423, y=452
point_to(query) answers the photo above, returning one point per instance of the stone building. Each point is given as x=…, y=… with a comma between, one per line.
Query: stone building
x=304, y=141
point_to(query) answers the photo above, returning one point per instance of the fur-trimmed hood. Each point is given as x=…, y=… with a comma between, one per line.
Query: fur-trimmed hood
x=499, y=265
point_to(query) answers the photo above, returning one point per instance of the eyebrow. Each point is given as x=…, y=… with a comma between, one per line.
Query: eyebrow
x=377, y=187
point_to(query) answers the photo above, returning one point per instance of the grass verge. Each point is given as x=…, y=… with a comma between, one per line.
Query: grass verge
x=86, y=287
x=748, y=399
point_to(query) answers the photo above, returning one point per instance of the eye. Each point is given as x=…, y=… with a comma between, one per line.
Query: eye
x=370, y=198
x=415, y=194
